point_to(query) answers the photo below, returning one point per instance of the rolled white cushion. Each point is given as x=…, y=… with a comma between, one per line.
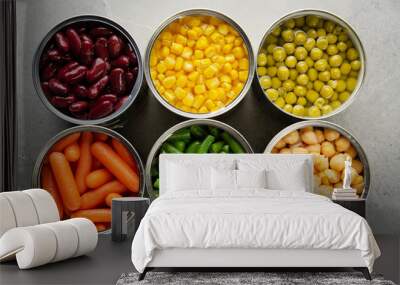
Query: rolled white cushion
x=66, y=238
x=45, y=205
x=7, y=218
x=33, y=246
x=23, y=208
x=87, y=235
x=40, y=244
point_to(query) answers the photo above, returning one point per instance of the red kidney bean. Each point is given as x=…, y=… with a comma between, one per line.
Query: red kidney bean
x=87, y=50
x=48, y=72
x=108, y=66
x=46, y=88
x=130, y=81
x=78, y=107
x=81, y=116
x=97, y=87
x=74, y=40
x=101, y=109
x=101, y=48
x=57, y=87
x=54, y=55
x=97, y=70
x=61, y=72
x=62, y=102
x=74, y=75
x=62, y=42
x=121, y=102
x=117, y=79
x=80, y=91
x=82, y=30
x=108, y=97
x=100, y=32
x=114, y=46
x=131, y=55
x=122, y=61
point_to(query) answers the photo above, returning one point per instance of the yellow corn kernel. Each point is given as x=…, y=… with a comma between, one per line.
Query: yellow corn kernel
x=181, y=81
x=209, y=30
x=235, y=64
x=202, y=43
x=169, y=96
x=238, y=41
x=216, y=37
x=203, y=109
x=234, y=74
x=219, y=104
x=230, y=39
x=165, y=51
x=227, y=68
x=221, y=94
x=188, y=66
x=244, y=64
x=191, y=84
x=183, y=29
x=230, y=58
x=226, y=85
x=198, y=101
x=186, y=108
x=212, y=83
x=187, y=52
x=227, y=48
x=161, y=77
x=169, y=82
x=210, y=51
x=198, y=54
x=170, y=62
x=176, y=48
x=180, y=39
x=169, y=73
x=243, y=76
x=218, y=59
x=153, y=59
x=204, y=63
x=210, y=71
x=153, y=74
x=161, y=90
x=192, y=34
x=178, y=64
x=213, y=94
x=238, y=52
x=191, y=43
x=199, y=89
x=200, y=79
x=194, y=21
x=223, y=29
x=188, y=100
x=231, y=95
x=193, y=76
x=166, y=36
x=161, y=67
x=199, y=31
x=156, y=83
x=237, y=88
x=261, y=71
x=225, y=78
x=180, y=93
x=209, y=104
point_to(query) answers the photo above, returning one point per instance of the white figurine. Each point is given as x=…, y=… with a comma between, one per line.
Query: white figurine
x=347, y=174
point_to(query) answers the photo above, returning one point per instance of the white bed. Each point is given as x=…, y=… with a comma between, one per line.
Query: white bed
x=249, y=227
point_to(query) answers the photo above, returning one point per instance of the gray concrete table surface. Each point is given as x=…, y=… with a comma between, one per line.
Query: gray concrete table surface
x=373, y=117
x=110, y=259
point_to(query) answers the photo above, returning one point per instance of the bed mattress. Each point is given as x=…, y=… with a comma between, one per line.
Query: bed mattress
x=250, y=219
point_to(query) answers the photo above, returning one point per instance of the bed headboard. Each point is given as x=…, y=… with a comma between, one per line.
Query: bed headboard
x=210, y=159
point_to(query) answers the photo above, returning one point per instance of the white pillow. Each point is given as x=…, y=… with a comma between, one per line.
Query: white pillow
x=223, y=179
x=181, y=177
x=283, y=173
x=251, y=178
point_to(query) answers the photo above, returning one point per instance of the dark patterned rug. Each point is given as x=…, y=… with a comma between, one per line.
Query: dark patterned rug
x=244, y=278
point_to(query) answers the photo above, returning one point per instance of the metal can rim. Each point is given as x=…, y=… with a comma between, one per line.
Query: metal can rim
x=356, y=41
x=36, y=78
x=326, y=124
x=246, y=87
x=92, y=128
x=166, y=134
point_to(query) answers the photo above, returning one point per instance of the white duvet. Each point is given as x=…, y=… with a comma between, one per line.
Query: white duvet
x=252, y=218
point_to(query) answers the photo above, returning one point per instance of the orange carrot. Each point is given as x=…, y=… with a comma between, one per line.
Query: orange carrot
x=66, y=141
x=96, y=164
x=116, y=165
x=93, y=199
x=84, y=163
x=95, y=215
x=50, y=185
x=101, y=227
x=65, y=180
x=98, y=177
x=124, y=154
x=72, y=152
x=110, y=197
x=101, y=137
